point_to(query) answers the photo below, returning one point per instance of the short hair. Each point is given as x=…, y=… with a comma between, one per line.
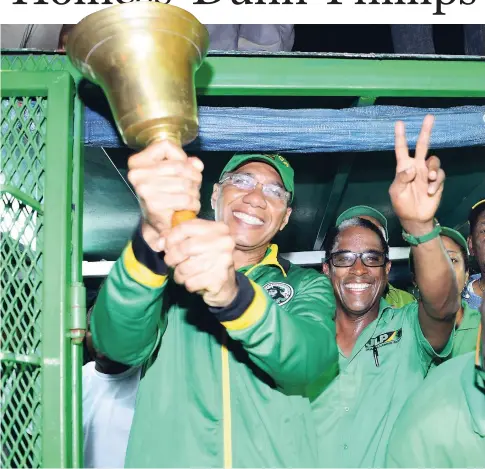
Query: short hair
x=333, y=235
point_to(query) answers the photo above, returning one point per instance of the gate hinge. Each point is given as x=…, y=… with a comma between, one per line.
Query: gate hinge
x=78, y=313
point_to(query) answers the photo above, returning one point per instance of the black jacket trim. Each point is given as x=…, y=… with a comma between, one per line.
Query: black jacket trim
x=145, y=255
x=240, y=304
x=285, y=263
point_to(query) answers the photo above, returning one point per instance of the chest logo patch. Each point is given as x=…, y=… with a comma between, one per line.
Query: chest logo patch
x=386, y=338
x=279, y=292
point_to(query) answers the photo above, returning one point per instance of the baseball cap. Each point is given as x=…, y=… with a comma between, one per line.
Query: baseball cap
x=276, y=161
x=455, y=236
x=475, y=211
x=363, y=211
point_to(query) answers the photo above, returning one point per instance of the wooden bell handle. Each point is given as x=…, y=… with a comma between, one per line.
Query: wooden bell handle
x=181, y=216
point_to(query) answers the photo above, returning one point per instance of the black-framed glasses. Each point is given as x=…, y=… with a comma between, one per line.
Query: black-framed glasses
x=247, y=182
x=348, y=258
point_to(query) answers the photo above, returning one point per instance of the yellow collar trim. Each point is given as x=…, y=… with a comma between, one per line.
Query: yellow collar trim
x=270, y=259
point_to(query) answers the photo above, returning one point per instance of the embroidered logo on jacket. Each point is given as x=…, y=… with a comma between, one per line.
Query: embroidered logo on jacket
x=386, y=338
x=280, y=292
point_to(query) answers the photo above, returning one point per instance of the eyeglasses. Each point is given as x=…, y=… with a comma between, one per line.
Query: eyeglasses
x=246, y=182
x=348, y=258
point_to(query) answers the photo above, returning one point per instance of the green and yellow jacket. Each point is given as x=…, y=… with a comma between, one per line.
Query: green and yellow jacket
x=222, y=387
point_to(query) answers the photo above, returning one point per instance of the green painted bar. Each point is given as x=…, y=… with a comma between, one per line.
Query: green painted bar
x=301, y=76
x=320, y=75
x=57, y=392
x=76, y=280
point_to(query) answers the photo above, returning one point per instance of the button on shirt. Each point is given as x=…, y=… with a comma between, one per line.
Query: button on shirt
x=443, y=422
x=357, y=410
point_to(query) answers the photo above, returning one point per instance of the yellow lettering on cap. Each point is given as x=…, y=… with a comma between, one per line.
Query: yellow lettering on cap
x=283, y=161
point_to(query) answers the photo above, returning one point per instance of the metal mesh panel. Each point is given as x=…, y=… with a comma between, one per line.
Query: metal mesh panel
x=23, y=132
x=33, y=63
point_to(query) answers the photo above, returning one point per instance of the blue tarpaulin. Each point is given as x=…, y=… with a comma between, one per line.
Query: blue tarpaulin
x=313, y=130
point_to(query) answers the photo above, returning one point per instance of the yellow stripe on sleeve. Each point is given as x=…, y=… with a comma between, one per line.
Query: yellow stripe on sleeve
x=226, y=404
x=254, y=312
x=139, y=272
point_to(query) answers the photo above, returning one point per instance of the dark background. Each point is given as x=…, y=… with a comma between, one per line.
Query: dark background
x=369, y=38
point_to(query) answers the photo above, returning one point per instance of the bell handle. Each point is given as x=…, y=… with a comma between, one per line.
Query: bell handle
x=181, y=215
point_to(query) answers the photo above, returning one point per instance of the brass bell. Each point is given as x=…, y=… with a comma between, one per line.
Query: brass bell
x=144, y=57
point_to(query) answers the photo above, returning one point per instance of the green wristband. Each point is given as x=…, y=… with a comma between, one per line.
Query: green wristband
x=415, y=240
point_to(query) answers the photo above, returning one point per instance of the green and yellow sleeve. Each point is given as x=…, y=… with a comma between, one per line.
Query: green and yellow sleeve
x=126, y=318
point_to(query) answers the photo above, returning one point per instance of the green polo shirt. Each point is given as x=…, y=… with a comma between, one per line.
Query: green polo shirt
x=398, y=298
x=356, y=412
x=443, y=423
x=466, y=335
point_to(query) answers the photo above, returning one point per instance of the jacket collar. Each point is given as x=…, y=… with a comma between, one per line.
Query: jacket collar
x=272, y=258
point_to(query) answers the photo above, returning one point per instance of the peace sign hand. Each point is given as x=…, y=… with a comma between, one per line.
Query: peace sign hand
x=417, y=187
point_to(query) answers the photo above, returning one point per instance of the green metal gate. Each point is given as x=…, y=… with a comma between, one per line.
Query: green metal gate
x=42, y=312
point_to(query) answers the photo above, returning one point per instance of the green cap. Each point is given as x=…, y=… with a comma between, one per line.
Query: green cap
x=276, y=161
x=450, y=233
x=475, y=212
x=455, y=236
x=363, y=211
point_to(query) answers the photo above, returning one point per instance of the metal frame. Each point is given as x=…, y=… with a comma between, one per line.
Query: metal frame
x=303, y=75
x=307, y=258
x=368, y=76
x=57, y=394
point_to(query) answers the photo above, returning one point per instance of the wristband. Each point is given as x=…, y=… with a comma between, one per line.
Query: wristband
x=416, y=240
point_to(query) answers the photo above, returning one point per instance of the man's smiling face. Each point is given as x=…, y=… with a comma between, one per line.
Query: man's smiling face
x=358, y=287
x=253, y=217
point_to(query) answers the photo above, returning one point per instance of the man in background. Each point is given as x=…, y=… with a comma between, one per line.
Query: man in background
x=443, y=422
x=475, y=288
x=385, y=353
x=109, y=396
x=394, y=296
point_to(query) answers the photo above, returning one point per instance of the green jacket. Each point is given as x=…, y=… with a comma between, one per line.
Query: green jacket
x=443, y=422
x=221, y=387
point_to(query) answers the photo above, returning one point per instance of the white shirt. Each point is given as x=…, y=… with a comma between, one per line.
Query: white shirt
x=108, y=408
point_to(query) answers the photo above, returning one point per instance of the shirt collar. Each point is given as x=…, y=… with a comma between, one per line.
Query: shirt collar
x=271, y=258
x=368, y=331
x=384, y=309
x=469, y=286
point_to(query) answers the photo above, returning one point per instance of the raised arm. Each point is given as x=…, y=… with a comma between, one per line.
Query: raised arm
x=416, y=194
x=127, y=317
